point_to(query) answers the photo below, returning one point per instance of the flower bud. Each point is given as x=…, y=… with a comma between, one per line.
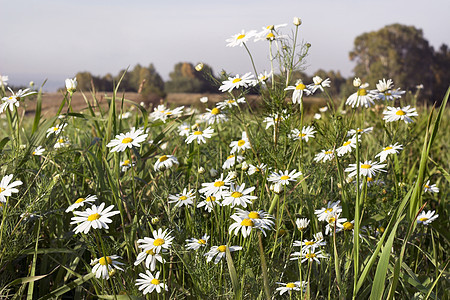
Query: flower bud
x=213, y=173
x=276, y=188
x=71, y=85
x=155, y=220
x=201, y=170
x=204, y=99
x=31, y=83
x=357, y=82
x=244, y=166
x=297, y=21
x=199, y=67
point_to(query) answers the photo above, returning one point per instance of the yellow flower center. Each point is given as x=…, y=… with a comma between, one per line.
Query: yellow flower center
x=328, y=152
x=55, y=128
x=270, y=27
x=93, y=217
x=309, y=243
x=240, y=37
x=1, y=189
x=270, y=36
x=34, y=152
x=241, y=143
x=310, y=255
x=231, y=101
x=127, y=140
x=222, y=248
x=380, y=229
x=284, y=177
x=247, y=222
x=215, y=111
x=387, y=148
x=158, y=242
x=198, y=132
x=230, y=157
x=427, y=186
x=290, y=285
x=423, y=219
x=348, y=226
x=60, y=141
x=369, y=179
x=210, y=198
x=183, y=198
x=155, y=281
x=236, y=194
x=302, y=134
x=126, y=162
x=219, y=183
x=331, y=220
x=362, y=92
x=300, y=86
x=400, y=113
x=254, y=215
x=236, y=80
x=366, y=166
x=150, y=252
x=105, y=261
x=328, y=210
x=163, y=158
x=359, y=130
x=201, y=241
x=347, y=143
x=79, y=200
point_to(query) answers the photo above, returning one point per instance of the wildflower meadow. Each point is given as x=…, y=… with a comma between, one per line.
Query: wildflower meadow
x=228, y=200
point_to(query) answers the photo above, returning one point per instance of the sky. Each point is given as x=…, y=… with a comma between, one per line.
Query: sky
x=55, y=39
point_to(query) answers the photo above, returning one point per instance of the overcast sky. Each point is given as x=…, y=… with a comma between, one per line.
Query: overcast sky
x=55, y=39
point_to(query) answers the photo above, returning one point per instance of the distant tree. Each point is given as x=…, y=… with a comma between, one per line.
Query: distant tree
x=396, y=51
x=185, y=79
x=441, y=70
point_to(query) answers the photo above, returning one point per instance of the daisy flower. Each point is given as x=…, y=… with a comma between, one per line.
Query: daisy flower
x=384, y=90
x=347, y=146
x=239, y=39
x=218, y=252
x=291, y=286
x=305, y=134
x=230, y=103
x=125, y=115
x=95, y=216
x=311, y=245
x=430, y=188
x=195, y=244
x=214, y=115
x=333, y=221
x=391, y=149
x=272, y=120
x=165, y=162
x=184, y=129
x=126, y=164
x=161, y=241
x=298, y=89
x=260, y=219
x=258, y=168
x=150, y=258
x=396, y=114
x=332, y=208
x=38, y=151
x=148, y=283
x=56, y=129
x=368, y=168
x=243, y=225
x=7, y=188
x=61, y=142
x=3, y=80
x=237, y=82
x=240, y=145
x=231, y=161
x=263, y=77
x=14, y=99
x=200, y=135
x=268, y=29
x=185, y=198
x=161, y=112
x=309, y=256
x=359, y=130
x=238, y=195
x=209, y=202
x=81, y=201
x=302, y=223
x=323, y=109
x=324, y=156
x=127, y=140
x=104, y=265
x=284, y=177
x=217, y=187
x=318, y=83
x=348, y=226
x=426, y=218
x=361, y=98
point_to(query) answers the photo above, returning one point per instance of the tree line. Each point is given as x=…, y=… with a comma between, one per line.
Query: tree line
x=396, y=51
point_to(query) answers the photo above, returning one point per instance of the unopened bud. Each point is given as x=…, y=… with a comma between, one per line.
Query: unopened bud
x=71, y=85
x=204, y=99
x=201, y=170
x=357, y=82
x=155, y=220
x=199, y=67
x=244, y=166
x=297, y=21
